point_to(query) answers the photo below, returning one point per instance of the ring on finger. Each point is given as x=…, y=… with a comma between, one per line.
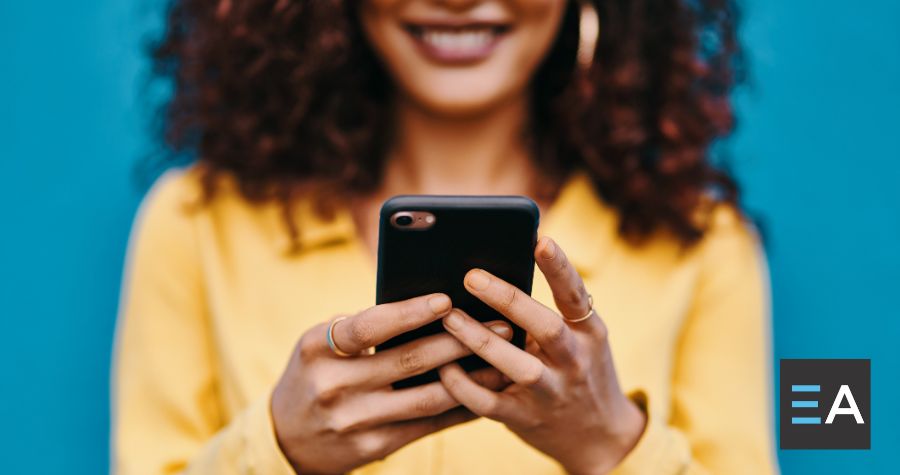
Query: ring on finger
x=589, y=314
x=329, y=337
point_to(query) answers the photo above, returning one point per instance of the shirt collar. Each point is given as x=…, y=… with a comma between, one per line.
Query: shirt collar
x=313, y=230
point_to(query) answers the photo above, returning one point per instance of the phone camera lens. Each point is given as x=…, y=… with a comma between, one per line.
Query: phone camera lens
x=404, y=220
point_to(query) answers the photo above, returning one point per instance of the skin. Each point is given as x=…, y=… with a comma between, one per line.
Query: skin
x=460, y=131
x=462, y=91
x=565, y=399
x=333, y=414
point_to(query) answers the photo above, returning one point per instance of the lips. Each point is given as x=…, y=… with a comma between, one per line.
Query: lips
x=464, y=43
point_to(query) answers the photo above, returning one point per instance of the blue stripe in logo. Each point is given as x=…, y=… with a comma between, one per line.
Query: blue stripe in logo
x=806, y=420
x=805, y=388
x=804, y=403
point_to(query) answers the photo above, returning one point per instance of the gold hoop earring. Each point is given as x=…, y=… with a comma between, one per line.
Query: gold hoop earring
x=588, y=34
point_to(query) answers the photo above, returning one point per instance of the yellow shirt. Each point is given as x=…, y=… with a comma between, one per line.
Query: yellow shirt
x=213, y=304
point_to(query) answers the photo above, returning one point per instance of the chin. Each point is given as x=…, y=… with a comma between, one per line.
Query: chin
x=457, y=96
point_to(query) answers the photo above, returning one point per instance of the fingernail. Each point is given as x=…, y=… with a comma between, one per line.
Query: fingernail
x=453, y=321
x=503, y=330
x=477, y=279
x=549, y=250
x=439, y=304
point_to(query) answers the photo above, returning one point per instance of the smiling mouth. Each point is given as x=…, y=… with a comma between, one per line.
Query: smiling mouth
x=457, y=44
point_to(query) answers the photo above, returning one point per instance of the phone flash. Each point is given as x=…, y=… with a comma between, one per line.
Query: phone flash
x=429, y=219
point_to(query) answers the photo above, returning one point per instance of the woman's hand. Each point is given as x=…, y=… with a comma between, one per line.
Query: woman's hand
x=565, y=400
x=333, y=414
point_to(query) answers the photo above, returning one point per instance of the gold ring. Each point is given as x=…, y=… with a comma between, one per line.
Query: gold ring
x=329, y=337
x=587, y=315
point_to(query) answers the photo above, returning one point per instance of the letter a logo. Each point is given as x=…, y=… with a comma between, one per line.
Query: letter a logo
x=844, y=393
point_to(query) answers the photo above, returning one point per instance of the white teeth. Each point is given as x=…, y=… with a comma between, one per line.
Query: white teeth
x=464, y=40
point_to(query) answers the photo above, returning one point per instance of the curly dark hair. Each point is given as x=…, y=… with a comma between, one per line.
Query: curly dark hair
x=286, y=96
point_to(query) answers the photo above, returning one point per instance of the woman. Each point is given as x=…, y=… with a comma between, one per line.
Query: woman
x=647, y=349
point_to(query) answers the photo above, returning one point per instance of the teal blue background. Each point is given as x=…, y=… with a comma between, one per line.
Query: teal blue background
x=817, y=152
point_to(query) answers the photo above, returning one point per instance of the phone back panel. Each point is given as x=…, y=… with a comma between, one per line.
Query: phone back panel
x=494, y=233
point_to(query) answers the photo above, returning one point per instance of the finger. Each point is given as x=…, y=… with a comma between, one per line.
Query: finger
x=380, y=323
x=569, y=294
x=532, y=346
x=521, y=367
x=490, y=378
x=392, y=437
x=383, y=407
x=543, y=324
x=478, y=399
x=415, y=357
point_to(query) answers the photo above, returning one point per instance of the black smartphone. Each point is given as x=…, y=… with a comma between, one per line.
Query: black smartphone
x=427, y=244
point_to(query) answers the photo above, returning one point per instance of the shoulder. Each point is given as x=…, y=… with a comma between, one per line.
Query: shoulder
x=728, y=226
x=179, y=196
x=190, y=209
x=164, y=218
x=173, y=194
x=731, y=244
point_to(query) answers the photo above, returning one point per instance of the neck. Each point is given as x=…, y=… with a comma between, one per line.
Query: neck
x=478, y=154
